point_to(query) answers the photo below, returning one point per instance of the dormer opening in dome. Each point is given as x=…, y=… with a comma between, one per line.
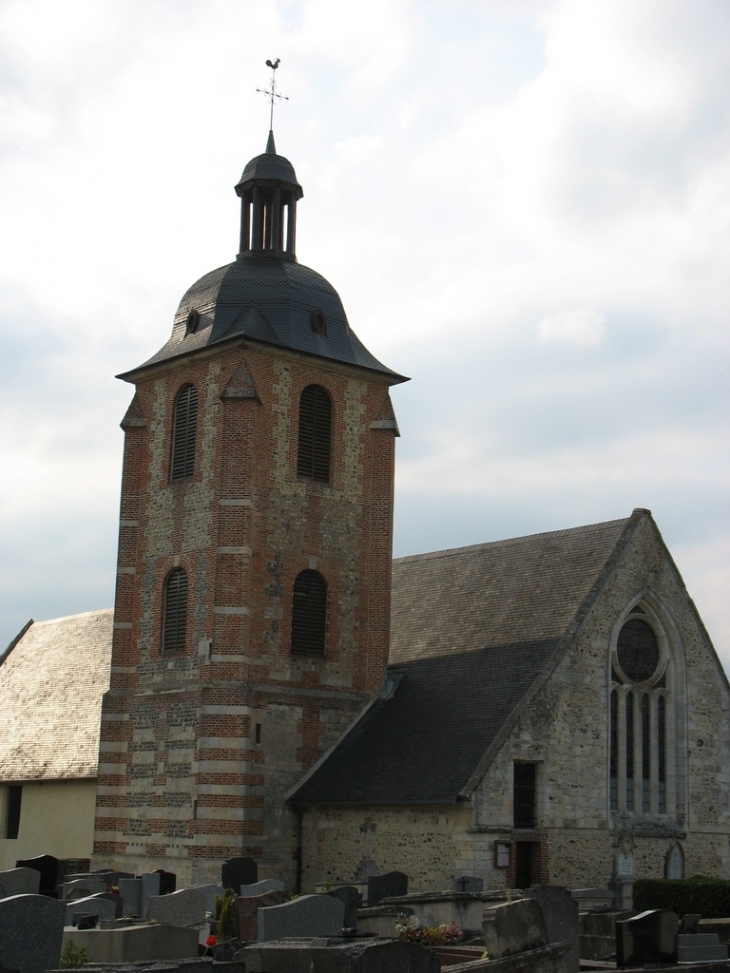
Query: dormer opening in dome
x=269, y=192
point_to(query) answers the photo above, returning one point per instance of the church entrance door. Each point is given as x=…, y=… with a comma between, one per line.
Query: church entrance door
x=525, y=852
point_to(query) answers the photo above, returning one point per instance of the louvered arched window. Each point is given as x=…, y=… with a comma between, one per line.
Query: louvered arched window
x=315, y=434
x=309, y=614
x=183, y=433
x=175, y=611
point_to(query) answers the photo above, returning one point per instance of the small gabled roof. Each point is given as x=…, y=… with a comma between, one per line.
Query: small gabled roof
x=472, y=630
x=51, y=685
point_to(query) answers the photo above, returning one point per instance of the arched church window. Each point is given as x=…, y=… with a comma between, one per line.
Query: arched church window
x=185, y=419
x=175, y=611
x=315, y=434
x=638, y=718
x=674, y=863
x=309, y=614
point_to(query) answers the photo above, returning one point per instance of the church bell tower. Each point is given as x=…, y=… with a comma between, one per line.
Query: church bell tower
x=252, y=605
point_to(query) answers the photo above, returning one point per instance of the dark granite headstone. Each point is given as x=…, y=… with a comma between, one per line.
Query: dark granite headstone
x=168, y=881
x=47, y=865
x=246, y=909
x=309, y=915
x=130, y=890
x=31, y=931
x=110, y=876
x=386, y=887
x=112, y=897
x=239, y=871
x=85, y=922
x=19, y=881
x=561, y=919
x=468, y=883
x=650, y=937
x=351, y=897
x=70, y=866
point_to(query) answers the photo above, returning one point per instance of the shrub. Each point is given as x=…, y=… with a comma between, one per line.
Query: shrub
x=73, y=956
x=708, y=897
x=226, y=928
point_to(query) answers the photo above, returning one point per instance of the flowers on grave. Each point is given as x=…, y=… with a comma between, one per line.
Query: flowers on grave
x=409, y=929
x=114, y=889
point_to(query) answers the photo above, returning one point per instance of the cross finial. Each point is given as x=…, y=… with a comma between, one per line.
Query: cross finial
x=271, y=93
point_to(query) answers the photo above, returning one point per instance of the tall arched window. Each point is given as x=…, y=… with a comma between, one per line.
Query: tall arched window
x=183, y=433
x=309, y=614
x=175, y=611
x=315, y=434
x=638, y=719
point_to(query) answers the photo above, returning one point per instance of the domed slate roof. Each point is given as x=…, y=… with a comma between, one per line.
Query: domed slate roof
x=269, y=299
x=265, y=295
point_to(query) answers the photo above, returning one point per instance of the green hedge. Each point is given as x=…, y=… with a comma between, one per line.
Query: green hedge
x=708, y=897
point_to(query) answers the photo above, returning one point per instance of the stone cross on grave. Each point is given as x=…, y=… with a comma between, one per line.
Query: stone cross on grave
x=271, y=91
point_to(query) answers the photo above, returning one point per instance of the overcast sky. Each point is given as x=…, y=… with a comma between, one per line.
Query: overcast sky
x=523, y=205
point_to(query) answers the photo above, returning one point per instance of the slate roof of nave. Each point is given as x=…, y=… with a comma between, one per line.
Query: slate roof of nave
x=472, y=629
x=51, y=685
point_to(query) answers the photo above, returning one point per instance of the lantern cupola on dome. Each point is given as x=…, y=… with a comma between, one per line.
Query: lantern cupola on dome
x=269, y=193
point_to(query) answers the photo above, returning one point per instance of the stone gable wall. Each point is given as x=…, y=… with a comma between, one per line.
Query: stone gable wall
x=183, y=782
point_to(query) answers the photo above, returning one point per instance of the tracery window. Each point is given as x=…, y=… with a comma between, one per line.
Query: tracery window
x=638, y=719
x=185, y=420
x=315, y=434
x=175, y=611
x=309, y=614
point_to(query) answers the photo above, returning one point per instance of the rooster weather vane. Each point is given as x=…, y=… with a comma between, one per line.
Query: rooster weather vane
x=271, y=91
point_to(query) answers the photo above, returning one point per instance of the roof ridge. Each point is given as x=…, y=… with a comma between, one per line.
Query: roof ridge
x=66, y=618
x=470, y=548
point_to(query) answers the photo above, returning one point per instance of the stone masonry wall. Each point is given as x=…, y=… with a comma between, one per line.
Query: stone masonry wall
x=199, y=749
x=565, y=730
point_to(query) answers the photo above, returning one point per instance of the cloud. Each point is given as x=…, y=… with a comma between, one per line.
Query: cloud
x=582, y=327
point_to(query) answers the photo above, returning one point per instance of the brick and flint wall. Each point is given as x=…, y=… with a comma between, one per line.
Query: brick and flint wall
x=199, y=748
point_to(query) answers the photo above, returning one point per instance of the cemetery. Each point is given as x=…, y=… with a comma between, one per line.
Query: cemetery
x=106, y=920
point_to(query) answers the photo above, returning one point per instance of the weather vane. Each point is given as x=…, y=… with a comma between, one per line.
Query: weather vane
x=271, y=93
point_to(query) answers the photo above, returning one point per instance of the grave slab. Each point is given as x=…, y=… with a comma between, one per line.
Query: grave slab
x=92, y=905
x=79, y=888
x=236, y=872
x=185, y=907
x=561, y=919
x=513, y=928
x=338, y=956
x=19, y=881
x=134, y=943
x=265, y=885
x=31, y=930
x=246, y=909
x=309, y=915
x=47, y=865
x=386, y=886
x=649, y=937
x=130, y=890
x=350, y=896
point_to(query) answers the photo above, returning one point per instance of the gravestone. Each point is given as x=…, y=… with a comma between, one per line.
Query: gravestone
x=19, y=881
x=246, y=909
x=86, y=921
x=112, y=897
x=468, y=883
x=265, y=885
x=239, y=871
x=79, y=888
x=168, y=881
x=514, y=927
x=183, y=908
x=31, y=932
x=561, y=919
x=130, y=890
x=92, y=905
x=70, y=866
x=47, y=865
x=150, y=887
x=650, y=937
x=350, y=896
x=209, y=892
x=339, y=956
x=309, y=915
x=108, y=876
x=386, y=886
